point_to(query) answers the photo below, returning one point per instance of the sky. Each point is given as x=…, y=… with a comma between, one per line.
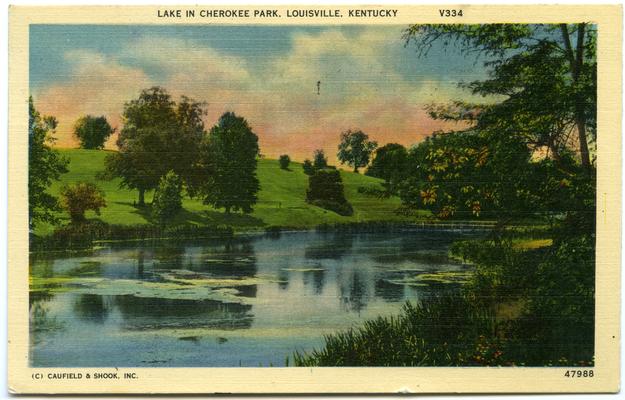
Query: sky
x=369, y=80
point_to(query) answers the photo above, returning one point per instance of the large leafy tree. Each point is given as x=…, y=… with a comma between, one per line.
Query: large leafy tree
x=228, y=161
x=389, y=163
x=543, y=77
x=158, y=136
x=476, y=173
x=355, y=149
x=92, y=131
x=44, y=166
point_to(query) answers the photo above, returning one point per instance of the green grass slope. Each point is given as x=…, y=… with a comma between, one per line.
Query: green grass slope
x=281, y=198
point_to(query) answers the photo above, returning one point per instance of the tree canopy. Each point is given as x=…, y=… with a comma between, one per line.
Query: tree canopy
x=320, y=161
x=158, y=136
x=389, y=163
x=355, y=149
x=543, y=77
x=92, y=132
x=228, y=161
x=45, y=165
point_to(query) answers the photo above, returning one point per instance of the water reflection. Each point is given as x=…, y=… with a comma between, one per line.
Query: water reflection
x=315, y=278
x=92, y=308
x=156, y=313
x=42, y=323
x=354, y=290
x=230, y=260
x=390, y=292
x=245, y=299
x=331, y=246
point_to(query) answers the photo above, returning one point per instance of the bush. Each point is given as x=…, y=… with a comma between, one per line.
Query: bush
x=167, y=198
x=561, y=304
x=80, y=197
x=284, y=161
x=320, y=160
x=325, y=190
x=308, y=167
x=344, y=209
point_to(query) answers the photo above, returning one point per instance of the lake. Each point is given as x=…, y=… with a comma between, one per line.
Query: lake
x=249, y=301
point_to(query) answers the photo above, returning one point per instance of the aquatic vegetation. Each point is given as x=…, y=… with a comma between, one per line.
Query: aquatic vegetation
x=442, y=277
x=304, y=269
x=86, y=268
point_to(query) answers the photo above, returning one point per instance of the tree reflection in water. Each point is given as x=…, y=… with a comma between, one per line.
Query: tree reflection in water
x=332, y=246
x=233, y=259
x=316, y=277
x=142, y=313
x=92, y=307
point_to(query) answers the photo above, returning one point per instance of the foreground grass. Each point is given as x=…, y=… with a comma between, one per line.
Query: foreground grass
x=281, y=199
x=440, y=331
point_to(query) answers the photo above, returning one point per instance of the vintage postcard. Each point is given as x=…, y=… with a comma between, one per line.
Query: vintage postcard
x=314, y=199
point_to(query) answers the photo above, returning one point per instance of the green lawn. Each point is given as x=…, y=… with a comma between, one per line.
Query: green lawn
x=281, y=198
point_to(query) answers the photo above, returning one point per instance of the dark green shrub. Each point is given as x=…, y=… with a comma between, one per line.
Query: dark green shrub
x=325, y=190
x=344, y=209
x=308, y=167
x=284, y=161
x=167, y=198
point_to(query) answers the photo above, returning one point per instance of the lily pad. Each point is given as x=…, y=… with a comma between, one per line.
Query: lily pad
x=304, y=269
x=444, y=277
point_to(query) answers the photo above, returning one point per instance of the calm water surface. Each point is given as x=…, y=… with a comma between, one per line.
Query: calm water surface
x=244, y=302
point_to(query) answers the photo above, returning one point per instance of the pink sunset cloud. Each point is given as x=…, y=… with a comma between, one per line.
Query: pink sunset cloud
x=359, y=89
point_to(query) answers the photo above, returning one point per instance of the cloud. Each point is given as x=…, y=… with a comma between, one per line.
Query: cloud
x=360, y=87
x=99, y=86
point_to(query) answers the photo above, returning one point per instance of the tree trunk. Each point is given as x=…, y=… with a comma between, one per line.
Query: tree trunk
x=227, y=210
x=141, y=197
x=77, y=217
x=356, y=170
x=580, y=121
x=576, y=61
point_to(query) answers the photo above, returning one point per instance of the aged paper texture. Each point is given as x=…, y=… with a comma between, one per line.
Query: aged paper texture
x=336, y=199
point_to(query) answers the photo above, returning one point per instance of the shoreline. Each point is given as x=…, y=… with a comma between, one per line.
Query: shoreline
x=38, y=244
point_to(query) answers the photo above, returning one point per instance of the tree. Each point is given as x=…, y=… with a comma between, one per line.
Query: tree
x=546, y=75
x=229, y=160
x=284, y=161
x=325, y=190
x=80, y=197
x=158, y=136
x=355, y=149
x=389, y=163
x=45, y=165
x=92, y=132
x=308, y=167
x=168, y=197
x=320, y=161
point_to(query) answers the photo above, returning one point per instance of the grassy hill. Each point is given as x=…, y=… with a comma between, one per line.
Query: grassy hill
x=281, y=198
